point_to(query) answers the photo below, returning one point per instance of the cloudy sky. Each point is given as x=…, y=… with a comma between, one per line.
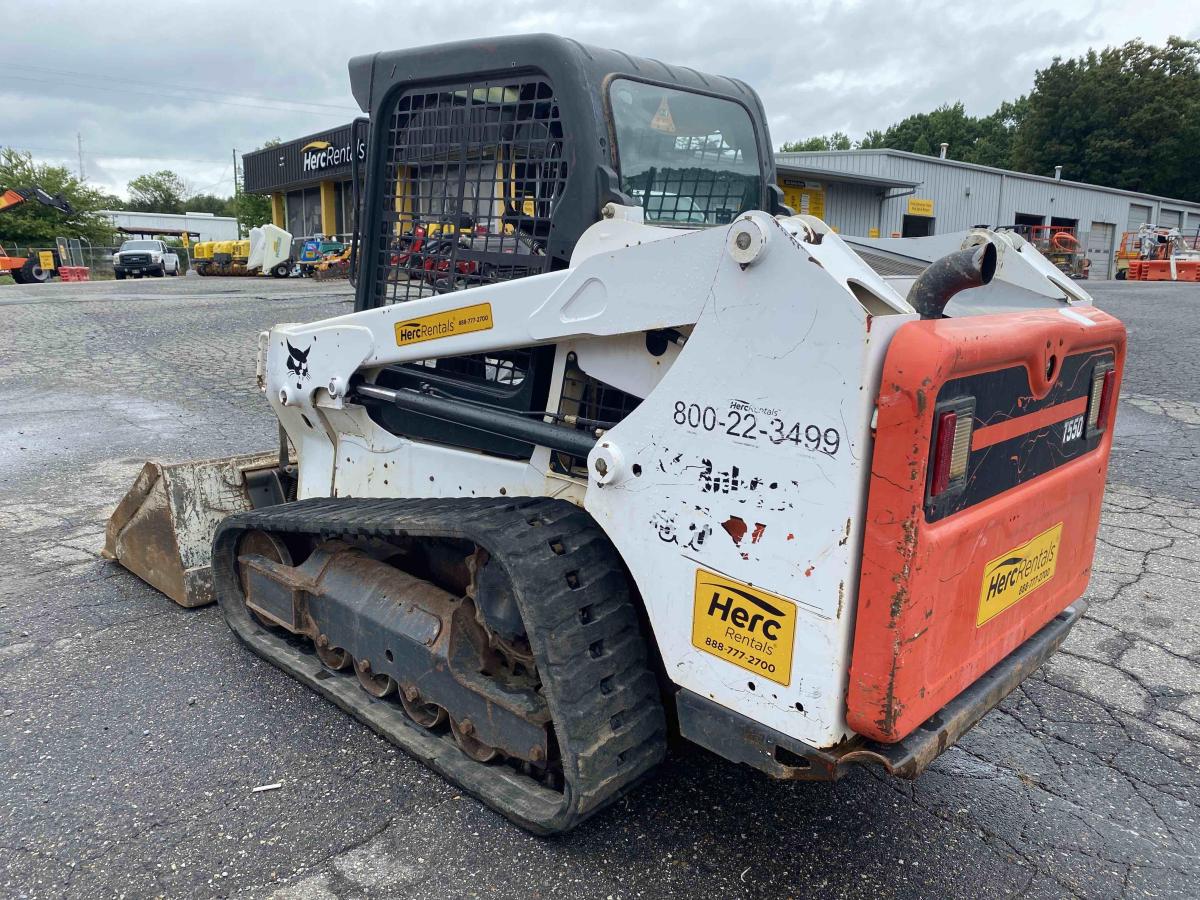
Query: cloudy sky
x=181, y=85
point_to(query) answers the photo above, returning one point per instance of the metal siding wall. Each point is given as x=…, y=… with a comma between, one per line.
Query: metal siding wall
x=997, y=197
x=946, y=183
x=850, y=208
x=200, y=227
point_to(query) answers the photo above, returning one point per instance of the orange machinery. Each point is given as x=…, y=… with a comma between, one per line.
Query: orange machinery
x=989, y=495
x=32, y=269
x=1158, y=253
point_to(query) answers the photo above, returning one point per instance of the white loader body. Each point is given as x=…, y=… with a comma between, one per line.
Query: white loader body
x=742, y=474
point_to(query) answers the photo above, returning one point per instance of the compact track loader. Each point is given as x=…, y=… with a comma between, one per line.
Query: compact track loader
x=613, y=439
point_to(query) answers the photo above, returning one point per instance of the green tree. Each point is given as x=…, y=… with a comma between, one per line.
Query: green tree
x=925, y=133
x=161, y=192
x=839, y=140
x=994, y=135
x=210, y=203
x=252, y=210
x=1127, y=116
x=111, y=201
x=34, y=225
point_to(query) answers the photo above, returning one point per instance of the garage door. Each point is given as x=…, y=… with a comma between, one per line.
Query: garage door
x=1100, y=249
x=1170, y=218
x=1138, y=215
x=1192, y=231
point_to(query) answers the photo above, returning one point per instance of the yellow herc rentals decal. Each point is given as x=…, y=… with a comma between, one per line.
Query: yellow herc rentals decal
x=444, y=324
x=744, y=625
x=1018, y=573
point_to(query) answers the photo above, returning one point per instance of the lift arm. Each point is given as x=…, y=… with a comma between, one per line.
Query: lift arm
x=16, y=196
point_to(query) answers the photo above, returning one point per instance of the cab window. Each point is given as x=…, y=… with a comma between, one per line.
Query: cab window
x=688, y=159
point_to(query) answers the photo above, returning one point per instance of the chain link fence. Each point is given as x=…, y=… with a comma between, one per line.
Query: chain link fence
x=98, y=260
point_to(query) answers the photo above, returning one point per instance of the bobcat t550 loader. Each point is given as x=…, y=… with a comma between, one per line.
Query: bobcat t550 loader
x=611, y=434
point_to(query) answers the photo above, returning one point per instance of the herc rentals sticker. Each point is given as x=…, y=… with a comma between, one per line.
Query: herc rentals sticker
x=1018, y=573
x=444, y=324
x=745, y=626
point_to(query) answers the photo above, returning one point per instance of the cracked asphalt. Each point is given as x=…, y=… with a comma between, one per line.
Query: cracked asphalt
x=132, y=732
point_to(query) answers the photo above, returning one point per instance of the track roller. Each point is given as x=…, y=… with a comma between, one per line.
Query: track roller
x=509, y=621
x=464, y=736
x=427, y=715
x=335, y=658
x=374, y=684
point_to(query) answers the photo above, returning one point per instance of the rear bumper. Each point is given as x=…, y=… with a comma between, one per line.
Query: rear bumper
x=737, y=738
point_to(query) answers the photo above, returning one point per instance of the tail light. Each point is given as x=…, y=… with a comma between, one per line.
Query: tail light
x=943, y=452
x=1100, y=401
x=951, y=446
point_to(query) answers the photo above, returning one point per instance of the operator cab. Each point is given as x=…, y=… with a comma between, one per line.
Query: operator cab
x=487, y=161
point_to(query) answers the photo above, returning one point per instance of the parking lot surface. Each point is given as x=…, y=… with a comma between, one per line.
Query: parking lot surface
x=132, y=732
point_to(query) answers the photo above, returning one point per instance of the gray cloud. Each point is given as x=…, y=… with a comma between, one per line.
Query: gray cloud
x=144, y=101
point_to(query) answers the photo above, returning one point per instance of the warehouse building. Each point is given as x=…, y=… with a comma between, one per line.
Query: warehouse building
x=891, y=193
x=198, y=226
x=868, y=193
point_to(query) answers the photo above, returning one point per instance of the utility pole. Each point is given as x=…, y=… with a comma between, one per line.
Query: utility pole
x=79, y=142
x=236, y=191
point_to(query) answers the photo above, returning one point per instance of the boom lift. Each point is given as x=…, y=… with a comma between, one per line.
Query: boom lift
x=636, y=445
x=31, y=269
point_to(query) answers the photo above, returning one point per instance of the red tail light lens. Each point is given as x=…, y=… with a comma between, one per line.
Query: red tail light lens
x=1106, y=398
x=951, y=446
x=943, y=451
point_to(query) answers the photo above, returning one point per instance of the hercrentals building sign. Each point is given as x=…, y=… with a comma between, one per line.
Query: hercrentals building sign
x=320, y=156
x=325, y=156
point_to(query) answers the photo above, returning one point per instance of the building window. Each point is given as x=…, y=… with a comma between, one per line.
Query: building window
x=304, y=212
x=344, y=201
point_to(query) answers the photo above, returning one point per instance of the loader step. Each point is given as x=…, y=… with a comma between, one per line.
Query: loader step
x=590, y=667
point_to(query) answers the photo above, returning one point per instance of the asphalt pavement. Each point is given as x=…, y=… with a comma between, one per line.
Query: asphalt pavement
x=133, y=732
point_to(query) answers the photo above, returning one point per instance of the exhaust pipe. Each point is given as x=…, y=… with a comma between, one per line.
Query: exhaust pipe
x=947, y=276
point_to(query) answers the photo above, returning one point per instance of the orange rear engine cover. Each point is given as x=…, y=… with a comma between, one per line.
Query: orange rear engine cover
x=952, y=584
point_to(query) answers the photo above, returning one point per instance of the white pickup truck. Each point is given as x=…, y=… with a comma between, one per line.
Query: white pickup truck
x=138, y=258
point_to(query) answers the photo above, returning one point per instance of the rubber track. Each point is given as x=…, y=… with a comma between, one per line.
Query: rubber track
x=591, y=654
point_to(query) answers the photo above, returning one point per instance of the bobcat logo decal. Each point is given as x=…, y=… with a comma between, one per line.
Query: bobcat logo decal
x=298, y=360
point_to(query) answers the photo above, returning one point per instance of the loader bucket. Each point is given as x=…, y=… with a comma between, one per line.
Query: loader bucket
x=162, y=530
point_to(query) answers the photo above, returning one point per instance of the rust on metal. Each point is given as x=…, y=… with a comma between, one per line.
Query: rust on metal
x=402, y=634
x=163, y=527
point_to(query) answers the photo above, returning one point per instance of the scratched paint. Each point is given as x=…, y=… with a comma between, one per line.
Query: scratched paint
x=735, y=527
x=729, y=480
